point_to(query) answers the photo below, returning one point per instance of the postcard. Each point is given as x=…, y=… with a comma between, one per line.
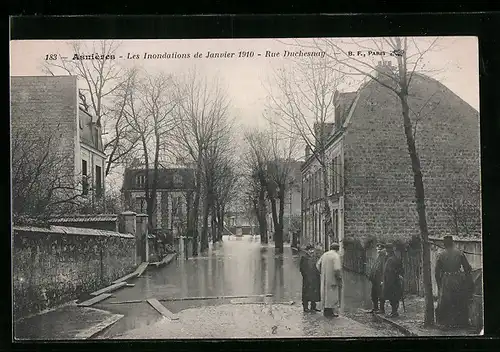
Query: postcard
x=246, y=188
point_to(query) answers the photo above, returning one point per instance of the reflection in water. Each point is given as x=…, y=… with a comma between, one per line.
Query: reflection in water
x=278, y=287
x=237, y=266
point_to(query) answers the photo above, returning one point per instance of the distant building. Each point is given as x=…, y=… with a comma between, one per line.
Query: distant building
x=173, y=200
x=50, y=105
x=370, y=173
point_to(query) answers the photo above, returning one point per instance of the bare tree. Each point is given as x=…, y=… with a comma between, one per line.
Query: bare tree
x=255, y=161
x=102, y=93
x=409, y=54
x=149, y=113
x=201, y=117
x=304, y=103
x=462, y=190
x=44, y=182
x=279, y=169
x=269, y=163
x=225, y=186
x=215, y=165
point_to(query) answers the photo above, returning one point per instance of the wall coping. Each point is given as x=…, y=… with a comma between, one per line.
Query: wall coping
x=128, y=212
x=65, y=230
x=457, y=239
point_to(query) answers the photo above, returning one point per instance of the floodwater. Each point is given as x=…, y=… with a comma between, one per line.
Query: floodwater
x=239, y=266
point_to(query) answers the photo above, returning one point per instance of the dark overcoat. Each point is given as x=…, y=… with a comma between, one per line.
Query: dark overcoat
x=310, y=278
x=455, y=288
x=377, y=270
x=392, y=285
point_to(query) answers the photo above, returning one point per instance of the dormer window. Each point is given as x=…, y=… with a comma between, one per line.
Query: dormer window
x=140, y=180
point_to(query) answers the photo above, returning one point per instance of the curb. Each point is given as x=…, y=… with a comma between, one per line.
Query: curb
x=404, y=330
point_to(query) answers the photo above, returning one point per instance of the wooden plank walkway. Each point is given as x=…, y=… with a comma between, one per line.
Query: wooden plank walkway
x=94, y=300
x=141, y=268
x=94, y=330
x=126, y=277
x=160, y=308
x=213, y=297
x=109, y=288
x=138, y=272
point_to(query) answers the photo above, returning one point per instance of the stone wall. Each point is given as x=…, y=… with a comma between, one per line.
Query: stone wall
x=51, y=267
x=379, y=191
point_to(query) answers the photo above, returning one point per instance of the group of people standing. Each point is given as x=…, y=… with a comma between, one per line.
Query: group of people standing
x=453, y=278
x=386, y=277
x=322, y=281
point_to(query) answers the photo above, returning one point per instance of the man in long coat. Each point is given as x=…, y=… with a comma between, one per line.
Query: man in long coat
x=310, y=279
x=455, y=287
x=376, y=279
x=330, y=267
x=392, y=280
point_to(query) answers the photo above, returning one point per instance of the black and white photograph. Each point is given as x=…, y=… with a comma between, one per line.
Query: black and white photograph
x=245, y=188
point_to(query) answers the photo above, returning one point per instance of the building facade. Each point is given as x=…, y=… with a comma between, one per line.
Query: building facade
x=173, y=200
x=370, y=172
x=49, y=106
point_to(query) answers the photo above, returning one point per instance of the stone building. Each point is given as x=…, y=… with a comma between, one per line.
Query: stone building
x=370, y=169
x=174, y=196
x=48, y=107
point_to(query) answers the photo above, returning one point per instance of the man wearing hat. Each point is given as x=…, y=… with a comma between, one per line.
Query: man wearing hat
x=455, y=288
x=376, y=278
x=310, y=279
x=392, y=280
x=330, y=267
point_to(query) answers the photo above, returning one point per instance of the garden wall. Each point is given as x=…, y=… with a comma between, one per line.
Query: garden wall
x=55, y=265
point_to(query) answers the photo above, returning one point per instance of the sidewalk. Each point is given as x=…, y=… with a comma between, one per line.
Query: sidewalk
x=244, y=319
x=410, y=321
x=68, y=321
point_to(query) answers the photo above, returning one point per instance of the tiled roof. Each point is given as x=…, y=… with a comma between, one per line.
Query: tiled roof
x=166, y=178
x=72, y=231
x=85, y=218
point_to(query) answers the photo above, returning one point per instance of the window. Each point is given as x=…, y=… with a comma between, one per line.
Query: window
x=98, y=181
x=141, y=204
x=336, y=180
x=141, y=180
x=85, y=181
x=84, y=167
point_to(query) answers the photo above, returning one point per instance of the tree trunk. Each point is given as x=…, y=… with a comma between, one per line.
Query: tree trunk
x=279, y=226
x=214, y=224
x=261, y=214
x=220, y=223
x=420, y=202
x=330, y=234
x=193, y=224
x=204, y=229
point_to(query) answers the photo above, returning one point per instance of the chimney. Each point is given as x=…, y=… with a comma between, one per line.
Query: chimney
x=384, y=67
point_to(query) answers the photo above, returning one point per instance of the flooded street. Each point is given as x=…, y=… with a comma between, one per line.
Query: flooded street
x=241, y=267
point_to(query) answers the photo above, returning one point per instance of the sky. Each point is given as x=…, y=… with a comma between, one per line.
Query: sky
x=247, y=80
